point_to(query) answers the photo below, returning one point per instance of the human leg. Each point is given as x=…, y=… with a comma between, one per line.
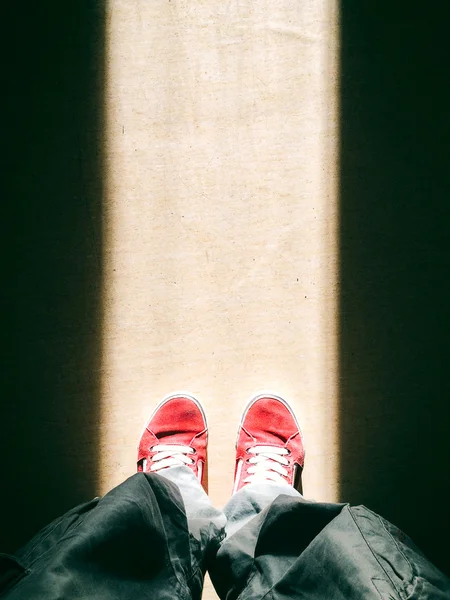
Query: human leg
x=310, y=550
x=132, y=543
x=147, y=538
x=174, y=445
x=269, y=461
x=280, y=545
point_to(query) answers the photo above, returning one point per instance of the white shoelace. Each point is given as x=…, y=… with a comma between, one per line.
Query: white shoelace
x=267, y=461
x=168, y=455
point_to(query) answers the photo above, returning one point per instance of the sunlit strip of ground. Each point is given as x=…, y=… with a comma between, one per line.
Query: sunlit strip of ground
x=220, y=233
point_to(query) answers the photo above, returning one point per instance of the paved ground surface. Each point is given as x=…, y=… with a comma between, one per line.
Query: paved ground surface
x=222, y=198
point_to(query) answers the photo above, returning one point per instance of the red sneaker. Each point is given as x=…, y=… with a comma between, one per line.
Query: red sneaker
x=269, y=446
x=176, y=434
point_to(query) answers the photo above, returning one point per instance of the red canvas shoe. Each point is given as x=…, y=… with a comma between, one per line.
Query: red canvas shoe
x=176, y=434
x=269, y=446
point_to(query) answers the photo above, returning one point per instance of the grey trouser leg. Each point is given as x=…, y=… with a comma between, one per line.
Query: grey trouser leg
x=135, y=542
x=154, y=535
x=206, y=524
x=298, y=549
x=270, y=543
x=250, y=500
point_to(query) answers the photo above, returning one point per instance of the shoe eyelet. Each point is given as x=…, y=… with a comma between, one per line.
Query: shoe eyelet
x=247, y=450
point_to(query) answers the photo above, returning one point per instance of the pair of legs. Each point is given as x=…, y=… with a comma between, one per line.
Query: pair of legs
x=269, y=461
x=155, y=535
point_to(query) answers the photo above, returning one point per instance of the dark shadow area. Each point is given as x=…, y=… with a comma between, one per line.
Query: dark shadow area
x=395, y=296
x=53, y=102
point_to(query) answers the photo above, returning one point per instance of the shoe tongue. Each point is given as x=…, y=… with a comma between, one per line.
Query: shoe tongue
x=271, y=438
x=167, y=435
